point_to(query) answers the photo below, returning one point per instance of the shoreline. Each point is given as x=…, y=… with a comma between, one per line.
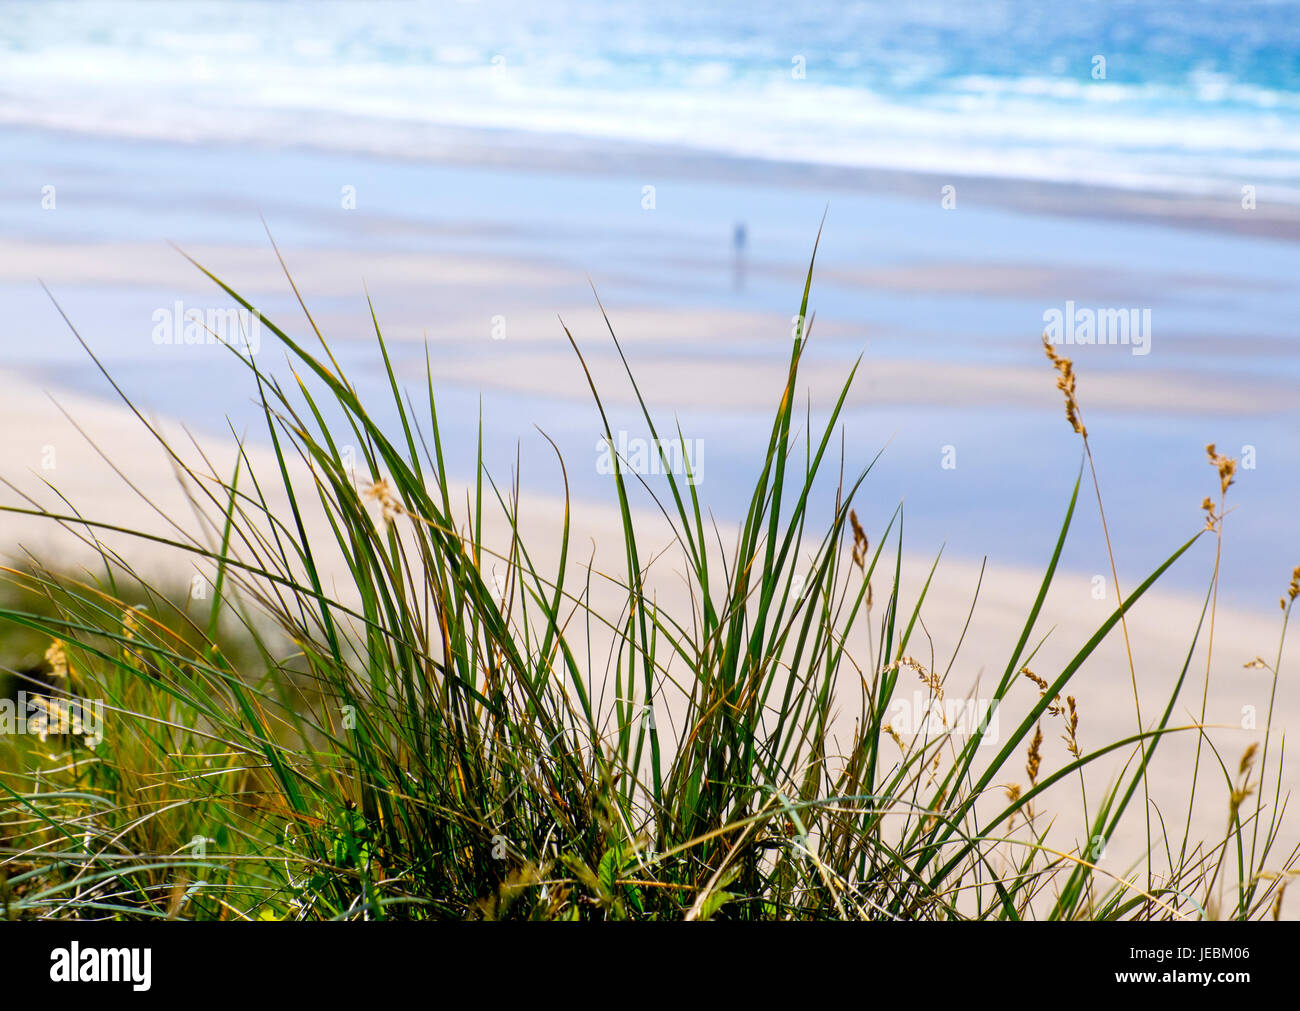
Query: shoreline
x=573, y=154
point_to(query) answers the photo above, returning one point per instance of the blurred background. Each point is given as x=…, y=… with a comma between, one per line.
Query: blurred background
x=478, y=167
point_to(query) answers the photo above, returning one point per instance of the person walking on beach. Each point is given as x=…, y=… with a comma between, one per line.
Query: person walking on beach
x=738, y=238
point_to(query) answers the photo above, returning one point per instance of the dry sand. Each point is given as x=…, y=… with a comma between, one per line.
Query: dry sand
x=453, y=300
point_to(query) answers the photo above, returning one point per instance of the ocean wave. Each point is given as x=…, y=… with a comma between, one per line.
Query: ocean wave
x=396, y=74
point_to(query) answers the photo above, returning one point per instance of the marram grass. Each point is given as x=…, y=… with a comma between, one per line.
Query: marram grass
x=411, y=735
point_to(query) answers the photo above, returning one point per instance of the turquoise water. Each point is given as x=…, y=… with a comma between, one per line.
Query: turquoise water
x=1197, y=96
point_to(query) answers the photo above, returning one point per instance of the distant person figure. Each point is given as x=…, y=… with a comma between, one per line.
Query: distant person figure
x=738, y=264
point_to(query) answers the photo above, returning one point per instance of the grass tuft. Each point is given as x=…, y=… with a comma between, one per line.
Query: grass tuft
x=412, y=716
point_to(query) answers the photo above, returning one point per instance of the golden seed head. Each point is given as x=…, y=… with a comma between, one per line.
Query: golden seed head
x=383, y=493
x=1071, y=728
x=1225, y=465
x=930, y=680
x=56, y=656
x=131, y=629
x=1293, y=590
x=1054, y=708
x=1041, y=682
x=1035, y=757
x=1248, y=758
x=859, y=542
x=1065, y=383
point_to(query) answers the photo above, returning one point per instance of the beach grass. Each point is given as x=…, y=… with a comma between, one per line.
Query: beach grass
x=443, y=727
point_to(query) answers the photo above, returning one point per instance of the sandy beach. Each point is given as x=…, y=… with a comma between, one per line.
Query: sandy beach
x=489, y=201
